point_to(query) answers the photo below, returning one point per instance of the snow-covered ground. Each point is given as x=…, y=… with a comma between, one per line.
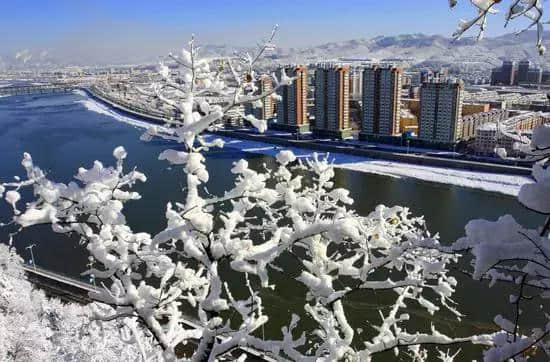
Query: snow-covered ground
x=505, y=184
x=95, y=106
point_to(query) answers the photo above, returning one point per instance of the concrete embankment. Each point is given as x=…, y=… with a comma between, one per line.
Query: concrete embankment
x=349, y=150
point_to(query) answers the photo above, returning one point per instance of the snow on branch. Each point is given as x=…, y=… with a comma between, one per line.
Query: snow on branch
x=532, y=10
x=340, y=253
x=291, y=211
x=201, y=91
x=506, y=252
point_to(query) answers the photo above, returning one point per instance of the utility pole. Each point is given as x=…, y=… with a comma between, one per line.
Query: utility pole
x=32, y=254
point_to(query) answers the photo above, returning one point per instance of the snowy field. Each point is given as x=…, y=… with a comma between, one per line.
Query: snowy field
x=505, y=184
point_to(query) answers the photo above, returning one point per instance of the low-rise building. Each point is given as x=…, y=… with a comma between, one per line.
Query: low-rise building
x=472, y=108
x=408, y=122
x=488, y=138
x=412, y=105
x=472, y=122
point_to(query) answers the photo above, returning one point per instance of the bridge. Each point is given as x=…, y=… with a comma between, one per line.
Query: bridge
x=70, y=289
x=52, y=88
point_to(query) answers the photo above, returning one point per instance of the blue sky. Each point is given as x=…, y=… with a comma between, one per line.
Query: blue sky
x=148, y=26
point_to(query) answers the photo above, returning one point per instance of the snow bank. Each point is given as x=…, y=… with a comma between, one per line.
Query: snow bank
x=95, y=106
x=505, y=184
x=80, y=92
x=501, y=183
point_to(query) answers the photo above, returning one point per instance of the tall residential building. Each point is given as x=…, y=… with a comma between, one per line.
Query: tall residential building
x=509, y=70
x=332, y=101
x=495, y=76
x=523, y=71
x=264, y=85
x=506, y=75
x=440, y=111
x=534, y=76
x=381, y=101
x=292, y=107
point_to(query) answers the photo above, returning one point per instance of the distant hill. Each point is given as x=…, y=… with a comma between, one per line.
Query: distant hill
x=426, y=49
x=421, y=49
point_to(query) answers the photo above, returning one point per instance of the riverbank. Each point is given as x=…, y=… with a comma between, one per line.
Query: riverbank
x=488, y=177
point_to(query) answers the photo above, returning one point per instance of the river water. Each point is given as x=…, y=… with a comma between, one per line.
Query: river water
x=62, y=134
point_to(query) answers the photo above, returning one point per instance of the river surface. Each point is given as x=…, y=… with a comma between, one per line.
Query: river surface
x=62, y=135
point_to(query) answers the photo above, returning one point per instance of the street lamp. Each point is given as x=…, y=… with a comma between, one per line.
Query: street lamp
x=32, y=254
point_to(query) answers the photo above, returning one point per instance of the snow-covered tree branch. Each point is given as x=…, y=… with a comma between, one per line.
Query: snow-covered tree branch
x=531, y=10
x=175, y=283
x=201, y=95
x=505, y=252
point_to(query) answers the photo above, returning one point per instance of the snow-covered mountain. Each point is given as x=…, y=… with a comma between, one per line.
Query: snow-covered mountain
x=425, y=50
x=418, y=49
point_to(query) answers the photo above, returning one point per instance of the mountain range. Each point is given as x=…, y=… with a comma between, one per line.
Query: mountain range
x=428, y=50
x=416, y=49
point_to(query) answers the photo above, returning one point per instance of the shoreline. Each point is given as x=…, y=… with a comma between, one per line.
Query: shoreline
x=508, y=184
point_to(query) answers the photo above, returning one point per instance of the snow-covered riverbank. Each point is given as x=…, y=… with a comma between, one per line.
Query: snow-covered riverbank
x=95, y=106
x=505, y=184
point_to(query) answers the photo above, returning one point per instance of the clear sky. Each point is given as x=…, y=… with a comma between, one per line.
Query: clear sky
x=112, y=27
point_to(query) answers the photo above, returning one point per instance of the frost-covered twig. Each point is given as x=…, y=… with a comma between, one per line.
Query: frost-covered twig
x=532, y=10
x=267, y=216
x=505, y=251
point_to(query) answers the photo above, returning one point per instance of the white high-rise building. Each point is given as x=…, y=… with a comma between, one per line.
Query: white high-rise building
x=441, y=111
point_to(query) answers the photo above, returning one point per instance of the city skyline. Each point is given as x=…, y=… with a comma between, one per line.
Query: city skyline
x=104, y=32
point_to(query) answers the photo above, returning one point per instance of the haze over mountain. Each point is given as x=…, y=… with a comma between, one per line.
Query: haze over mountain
x=421, y=49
